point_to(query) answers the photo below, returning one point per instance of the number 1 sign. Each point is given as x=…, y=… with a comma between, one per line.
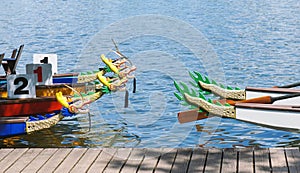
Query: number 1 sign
x=46, y=59
x=43, y=73
x=21, y=86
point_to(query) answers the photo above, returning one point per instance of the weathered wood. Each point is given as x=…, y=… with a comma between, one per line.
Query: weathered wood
x=182, y=160
x=293, y=159
x=102, y=160
x=213, y=162
x=150, y=160
x=166, y=160
x=261, y=157
x=119, y=159
x=55, y=160
x=86, y=160
x=134, y=160
x=198, y=160
x=40, y=160
x=229, y=163
x=5, y=152
x=278, y=161
x=245, y=161
x=11, y=158
x=71, y=160
x=26, y=158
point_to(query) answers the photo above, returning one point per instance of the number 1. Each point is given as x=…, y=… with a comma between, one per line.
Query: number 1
x=39, y=73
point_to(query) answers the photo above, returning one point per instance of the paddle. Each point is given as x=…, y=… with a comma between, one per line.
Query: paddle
x=191, y=115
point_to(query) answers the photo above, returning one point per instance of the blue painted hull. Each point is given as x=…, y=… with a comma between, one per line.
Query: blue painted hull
x=65, y=80
x=12, y=129
x=12, y=126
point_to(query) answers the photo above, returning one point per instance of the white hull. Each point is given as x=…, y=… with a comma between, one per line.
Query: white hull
x=295, y=101
x=276, y=116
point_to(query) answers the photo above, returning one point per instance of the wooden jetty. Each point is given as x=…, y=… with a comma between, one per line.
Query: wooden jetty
x=129, y=160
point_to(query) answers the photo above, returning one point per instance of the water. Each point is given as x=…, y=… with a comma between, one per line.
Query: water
x=240, y=43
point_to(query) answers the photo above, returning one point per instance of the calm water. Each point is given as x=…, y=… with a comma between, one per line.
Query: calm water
x=240, y=43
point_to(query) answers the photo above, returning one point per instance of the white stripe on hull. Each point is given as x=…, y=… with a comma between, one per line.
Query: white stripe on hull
x=275, y=118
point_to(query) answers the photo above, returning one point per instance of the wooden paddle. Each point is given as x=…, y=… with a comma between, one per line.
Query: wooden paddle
x=194, y=115
x=191, y=115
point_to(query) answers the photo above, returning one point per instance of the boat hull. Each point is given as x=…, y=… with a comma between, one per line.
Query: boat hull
x=252, y=92
x=270, y=115
x=26, y=107
x=12, y=126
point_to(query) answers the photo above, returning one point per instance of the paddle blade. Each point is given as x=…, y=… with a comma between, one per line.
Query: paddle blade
x=263, y=99
x=191, y=115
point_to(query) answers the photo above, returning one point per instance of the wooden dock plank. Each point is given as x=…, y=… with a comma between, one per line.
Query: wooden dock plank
x=55, y=160
x=134, y=160
x=182, y=160
x=119, y=159
x=213, y=162
x=86, y=160
x=198, y=160
x=278, y=161
x=166, y=160
x=11, y=158
x=40, y=160
x=69, y=162
x=229, y=163
x=23, y=161
x=261, y=158
x=293, y=159
x=4, y=152
x=150, y=160
x=245, y=161
x=102, y=160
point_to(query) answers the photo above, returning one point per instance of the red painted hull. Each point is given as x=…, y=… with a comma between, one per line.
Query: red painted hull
x=27, y=107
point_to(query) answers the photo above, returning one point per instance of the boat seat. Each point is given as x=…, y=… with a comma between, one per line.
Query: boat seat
x=10, y=64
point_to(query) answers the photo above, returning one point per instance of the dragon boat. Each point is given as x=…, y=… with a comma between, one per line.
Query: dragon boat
x=212, y=98
x=203, y=83
x=72, y=105
x=47, y=104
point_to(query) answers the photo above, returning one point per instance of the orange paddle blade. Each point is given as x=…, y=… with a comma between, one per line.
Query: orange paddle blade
x=263, y=100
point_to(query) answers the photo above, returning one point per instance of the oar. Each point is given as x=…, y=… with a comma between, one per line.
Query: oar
x=191, y=115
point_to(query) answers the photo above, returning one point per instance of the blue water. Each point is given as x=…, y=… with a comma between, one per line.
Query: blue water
x=240, y=43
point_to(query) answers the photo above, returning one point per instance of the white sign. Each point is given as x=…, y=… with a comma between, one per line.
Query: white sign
x=46, y=59
x=42, y=72
x=21, y=86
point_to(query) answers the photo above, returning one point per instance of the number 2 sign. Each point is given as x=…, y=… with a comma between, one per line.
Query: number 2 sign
x=21, y=86
x=43, y=73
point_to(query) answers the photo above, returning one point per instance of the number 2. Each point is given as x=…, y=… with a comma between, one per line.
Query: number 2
x=24, y=83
